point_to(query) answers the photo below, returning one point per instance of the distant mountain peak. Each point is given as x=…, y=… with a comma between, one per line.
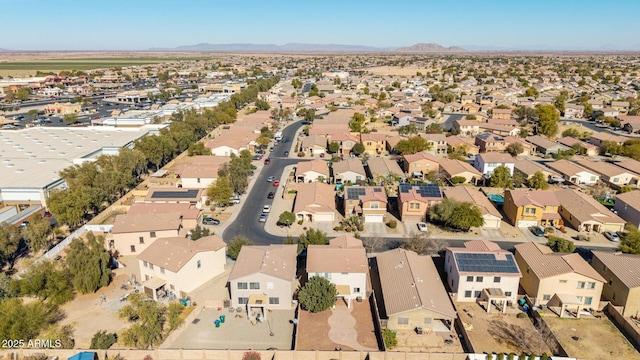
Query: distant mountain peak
x=429, y=48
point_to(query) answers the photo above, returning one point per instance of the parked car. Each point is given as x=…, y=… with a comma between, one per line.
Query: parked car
x=271, y=149
x=276, y=183
x=262, y=218
x=611, y=236
x=422, y=226
x=286, y=153
x=267, y=161
x=271, y=195
x=537, y=231
x=210, y=221
x=266, y=209
x=271, y=178
x=257, y=157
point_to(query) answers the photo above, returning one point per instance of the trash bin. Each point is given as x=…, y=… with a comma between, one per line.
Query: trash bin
x=419, y=330
x=222, y=317
x=217, y=323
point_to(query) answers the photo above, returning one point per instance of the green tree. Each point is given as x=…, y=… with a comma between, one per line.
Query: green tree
x=421, y=244
x=312, y=237
x=62, y=333
x=199, y=232
x=25, y=321
x=23, y=94
x=262, y=105
x=358, y=149
x=334, y=147
x=501, y=177
x=548, y=117
x=9, y=241
x=156, y=148
x=611, y=148
x=389, y=337
x=412, y=145
x=317, y=295
x=5, y=286
x=70, y=118
x=515, y=149
x=220, y=191
x=531, y=92
x=538, y=181
x=408, y=130
x=46, y=281
x=89, y=263
x=198, y=149
x=148, y=319
x=174, y=315
x=433, y=128
x=356, y=122
x=287, y=218
x=630, y=243
x=236, y=244
x=103, y=340
x=457, y=214
x=32, y=113
x=37, y=232
x=558, y=244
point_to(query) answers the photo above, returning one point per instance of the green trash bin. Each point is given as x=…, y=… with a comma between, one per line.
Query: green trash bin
x=217, y=323
x=222, y=317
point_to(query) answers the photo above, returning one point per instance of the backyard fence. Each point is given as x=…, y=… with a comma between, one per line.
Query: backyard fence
x=630, y=330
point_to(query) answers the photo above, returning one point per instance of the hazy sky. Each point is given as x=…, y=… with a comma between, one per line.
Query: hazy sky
x=142, y=24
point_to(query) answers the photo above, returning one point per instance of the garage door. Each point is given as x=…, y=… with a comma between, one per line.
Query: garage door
x=373, y=218
x=527, y=223
x=323, y=217
x=491, y=223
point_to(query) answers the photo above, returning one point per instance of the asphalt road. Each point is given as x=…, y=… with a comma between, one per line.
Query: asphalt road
x=246, y=222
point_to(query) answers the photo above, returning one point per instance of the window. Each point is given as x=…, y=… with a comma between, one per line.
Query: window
x=344, y=273
x=198, y=180
x=579, y=299
x=588, y=300
x=254, y=285
x=581, y=284
x=133, y=248
x=479, y=279
x=496, y=279
x=403, y=321
x=477, y=293
x=615, y=180
x=146, y=264
x=356, y=289
x=274, y=301
x=591, y=285
x=530, y=211
x=162, y=270
x=427, y=321
x=507, y=293
x=269, y=285
x=243, y=300
x=610, y=282
x=327, y=275
x=152, y=234
x=242, y=286
x=151, y=266
x=546, y=297
x=146, y=278
x=172, y=287
x=198, y=264
x=350, y=202
x=469, y=278
x=141, y=240
x=467, y=294
x=375, y=205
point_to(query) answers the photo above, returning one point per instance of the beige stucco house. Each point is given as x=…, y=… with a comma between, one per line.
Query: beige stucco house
x=622, y=283
x=310, y=171
x=132, y=234
x=315, y=202
x=584, y=213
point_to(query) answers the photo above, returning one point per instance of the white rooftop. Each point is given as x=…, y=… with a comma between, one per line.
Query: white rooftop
x=33, y=157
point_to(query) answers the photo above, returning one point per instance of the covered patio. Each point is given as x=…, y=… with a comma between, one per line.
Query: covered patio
x=565, y=304
x=494, y=297
x=256, y=308
x=154, y=288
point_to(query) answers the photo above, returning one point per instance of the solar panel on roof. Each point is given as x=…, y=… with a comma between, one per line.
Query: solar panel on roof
x=191, y=193
x=470, y=262
x=355, y=192
x=426, y=190
x=377, y=190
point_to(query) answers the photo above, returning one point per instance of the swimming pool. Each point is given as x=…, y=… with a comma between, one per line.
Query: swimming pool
x=496, y=198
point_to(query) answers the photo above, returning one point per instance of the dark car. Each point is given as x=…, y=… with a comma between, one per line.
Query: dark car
x=286, y=153
x=271, y=195
x=537, y=231
x=210, y=221
x=267, y=161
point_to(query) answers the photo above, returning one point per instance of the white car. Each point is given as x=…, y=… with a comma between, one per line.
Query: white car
x=271, y=178
x=422, y=226
x=611, y=236
x=266, y=209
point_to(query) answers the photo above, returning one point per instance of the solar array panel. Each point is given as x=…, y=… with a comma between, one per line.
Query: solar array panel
x=189, y=194
x=469, y=262
x=355, y=192
x=426, y=190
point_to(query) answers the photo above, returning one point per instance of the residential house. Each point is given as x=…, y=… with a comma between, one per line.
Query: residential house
x=620, y=106
x=589, y=149
x=411, y=294
x=173, y=196
x=196, y=176
x=190, y=213
x=527, y=168
x=313, y=145
x=526, y=208
x=630, y=124
x=633, y=166
x=489, y=142
x=503, y=114
x=382, y=167
x=491, y=215
x=180, y=265
x=572, y=172
x=545, y=146
x=418, y=165
x=499, y=129
x=487, y=162
x=132, y=234
x=233, y=140
x=349, y=170
x=345, y=140
x=374, y=143
x=622, y=283
x=315, y=202
x=481, y=270
x=415, y=201
x=450, y=168
x=597, y=138
x=457, y=144
x=310, y=171
x=263, y=278
x=561, y=281
x=437, y=143
x=344, y=263
x=369, y=202
x=627, y=206
x=584, y=213
x=606, y=112
x=572, y=111
x=467, y=128
x=613, y=175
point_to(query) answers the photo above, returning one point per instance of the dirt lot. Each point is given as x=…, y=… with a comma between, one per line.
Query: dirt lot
x=313, y=329
x=598, y=339
x=507, y=332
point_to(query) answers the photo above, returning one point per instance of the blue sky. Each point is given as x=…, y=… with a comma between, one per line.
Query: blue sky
x=143, y=24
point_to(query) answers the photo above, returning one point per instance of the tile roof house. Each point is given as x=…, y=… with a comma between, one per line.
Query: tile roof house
x=524, y=207
x=482, y=270
x=622, y=279
x=420, y=164
x=598, y=137
x=133, y=233
x=374, y=143
x=437, y=142
x=451, y=168
x=263, y=278
x=491, y=215
x=487, y=162
x=590, y=149
x=627, y=206
x=504, y=114
x=545, y=146
x=467, y=127
x=614, y=175
x=411, y=293
x=348, y=170
x=382, y=166
x=527, y=168
x=584, y=213
x=415, y=201
x=344, y=263
x=460, y=145
x=558, y=280
x=315, y=202
x=313, y=145
x=573, y=172
x=181, y=265
x=190, y=214
x=632, y=165
x=310, y=171
x=370, y=202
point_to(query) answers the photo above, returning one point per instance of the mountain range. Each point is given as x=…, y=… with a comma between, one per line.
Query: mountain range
x=429, y=48
x=298, y=47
